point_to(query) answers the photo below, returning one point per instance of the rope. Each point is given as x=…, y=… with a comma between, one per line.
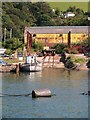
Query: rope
x=15, y=95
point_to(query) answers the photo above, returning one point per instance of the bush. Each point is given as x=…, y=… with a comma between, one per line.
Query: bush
x=79, y=60
x=66, y=50
x=8, y=51
x=59, y=48
x=37, y=46
x=69, y=64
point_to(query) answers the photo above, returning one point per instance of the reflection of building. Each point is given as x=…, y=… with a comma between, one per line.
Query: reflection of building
x=49, y=35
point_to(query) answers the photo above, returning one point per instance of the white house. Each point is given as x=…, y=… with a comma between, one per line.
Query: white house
x=69, y=14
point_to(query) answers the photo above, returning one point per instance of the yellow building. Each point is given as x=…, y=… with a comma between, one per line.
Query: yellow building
x=50, y=35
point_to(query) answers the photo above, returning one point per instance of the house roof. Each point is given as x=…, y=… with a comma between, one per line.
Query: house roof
x=58, y=29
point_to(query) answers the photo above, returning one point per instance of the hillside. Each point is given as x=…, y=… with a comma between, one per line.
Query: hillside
x=62, y=6
x=16, y=16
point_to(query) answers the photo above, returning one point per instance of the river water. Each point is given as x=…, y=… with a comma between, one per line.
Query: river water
x=67, y=85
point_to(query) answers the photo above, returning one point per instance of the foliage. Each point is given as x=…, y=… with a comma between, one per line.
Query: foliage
x=18, y=15
x=8, y=51
x=0, y=44
x=77, y=59
x=11, y=60
x=59, y=48
x=66, y=49
x=69, y=63
x=13, y=44
x=86, y=42
x=37, y=46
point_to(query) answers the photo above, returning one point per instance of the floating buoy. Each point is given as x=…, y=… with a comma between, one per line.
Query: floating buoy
x=41, y=93
x=86, y=93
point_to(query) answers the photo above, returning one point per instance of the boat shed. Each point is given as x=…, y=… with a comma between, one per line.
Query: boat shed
x=57, y=29
x=56, y=34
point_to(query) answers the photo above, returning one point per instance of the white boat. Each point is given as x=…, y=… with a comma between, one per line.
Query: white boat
x=31, y=65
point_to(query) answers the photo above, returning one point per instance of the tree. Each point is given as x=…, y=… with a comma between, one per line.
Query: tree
x=59, y=48
x=43, y=20
x=71, y=9
x=13, y=44
x=57, y=12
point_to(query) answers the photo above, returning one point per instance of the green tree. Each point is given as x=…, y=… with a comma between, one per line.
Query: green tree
x=13, y=44
x=37, y=46
x=59, y=48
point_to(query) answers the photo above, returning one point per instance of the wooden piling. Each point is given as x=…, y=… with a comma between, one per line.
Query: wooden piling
x=17, y=68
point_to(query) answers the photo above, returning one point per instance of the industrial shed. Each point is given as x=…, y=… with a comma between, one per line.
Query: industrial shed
x=49, y=35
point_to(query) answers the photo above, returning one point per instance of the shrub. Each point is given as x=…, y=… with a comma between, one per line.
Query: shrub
x=37, y=46
x=59, y=48
x=66, y=50
x=8, y=51
x=79, y=60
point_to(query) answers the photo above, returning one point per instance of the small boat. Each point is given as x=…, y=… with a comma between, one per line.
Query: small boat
x=26, y=67
x=31, y=65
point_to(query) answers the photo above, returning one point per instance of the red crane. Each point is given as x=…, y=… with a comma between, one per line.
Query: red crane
x=29, y=43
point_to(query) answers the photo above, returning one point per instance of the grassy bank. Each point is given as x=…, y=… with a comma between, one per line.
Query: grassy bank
x=62, y=6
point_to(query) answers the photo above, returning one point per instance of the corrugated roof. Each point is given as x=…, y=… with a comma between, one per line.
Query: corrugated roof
x=58, y=29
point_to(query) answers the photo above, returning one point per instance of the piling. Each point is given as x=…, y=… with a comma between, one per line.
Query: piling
x=17, y=68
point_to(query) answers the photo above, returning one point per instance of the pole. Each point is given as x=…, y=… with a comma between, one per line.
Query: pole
x=10, y=33
x=69, y=39
x=5, y=34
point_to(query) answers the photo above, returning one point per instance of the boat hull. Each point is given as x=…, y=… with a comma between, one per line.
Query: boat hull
x=30, y=68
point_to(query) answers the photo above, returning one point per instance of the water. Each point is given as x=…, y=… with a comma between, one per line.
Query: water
x=67, y=85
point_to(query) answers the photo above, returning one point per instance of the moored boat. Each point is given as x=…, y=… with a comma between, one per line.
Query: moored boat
x=31, y=65
x=26, y=67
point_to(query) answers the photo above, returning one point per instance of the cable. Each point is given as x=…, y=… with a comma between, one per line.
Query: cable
x=15, y=95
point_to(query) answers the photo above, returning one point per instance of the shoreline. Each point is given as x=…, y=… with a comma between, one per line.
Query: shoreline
x=49, y=62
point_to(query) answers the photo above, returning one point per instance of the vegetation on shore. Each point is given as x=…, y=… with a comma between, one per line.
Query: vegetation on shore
x=17, y=15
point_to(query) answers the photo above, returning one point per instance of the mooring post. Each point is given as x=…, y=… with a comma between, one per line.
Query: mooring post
x=17, y=68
